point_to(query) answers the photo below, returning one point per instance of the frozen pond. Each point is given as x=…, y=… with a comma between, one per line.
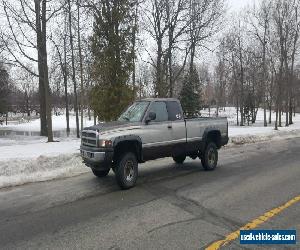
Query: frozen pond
x=57, y=134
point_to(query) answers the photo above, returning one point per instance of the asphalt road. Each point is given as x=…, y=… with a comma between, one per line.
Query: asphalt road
x=172, y=206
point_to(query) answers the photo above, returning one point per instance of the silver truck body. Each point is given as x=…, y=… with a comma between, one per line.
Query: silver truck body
x=150, y=139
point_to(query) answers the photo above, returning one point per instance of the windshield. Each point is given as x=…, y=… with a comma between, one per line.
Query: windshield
x=135, y=112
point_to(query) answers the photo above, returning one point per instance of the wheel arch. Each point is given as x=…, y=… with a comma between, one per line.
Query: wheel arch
x=212, y=135
x=128, y=143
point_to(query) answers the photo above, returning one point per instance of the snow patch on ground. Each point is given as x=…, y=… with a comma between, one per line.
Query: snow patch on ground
x=21, y=171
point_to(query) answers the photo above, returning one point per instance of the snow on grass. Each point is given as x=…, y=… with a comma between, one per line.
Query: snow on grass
x=256, y=132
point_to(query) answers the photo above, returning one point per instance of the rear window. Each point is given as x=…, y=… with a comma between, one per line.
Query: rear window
x=174, y=111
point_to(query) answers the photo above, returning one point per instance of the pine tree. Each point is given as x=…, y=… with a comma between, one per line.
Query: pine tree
x=113, y=58
x=190, y=95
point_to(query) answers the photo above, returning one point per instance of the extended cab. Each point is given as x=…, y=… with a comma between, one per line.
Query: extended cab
x=150, y=129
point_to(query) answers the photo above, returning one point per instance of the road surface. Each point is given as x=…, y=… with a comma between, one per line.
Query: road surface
x=172, y=206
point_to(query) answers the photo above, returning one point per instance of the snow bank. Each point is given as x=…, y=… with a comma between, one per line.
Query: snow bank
x=261, y=137
x=34, y=149
x=257, y=132
x=34, y=160
x=21, y=171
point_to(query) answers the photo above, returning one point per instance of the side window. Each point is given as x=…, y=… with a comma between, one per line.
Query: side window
x=174, y=111
x=160, y=108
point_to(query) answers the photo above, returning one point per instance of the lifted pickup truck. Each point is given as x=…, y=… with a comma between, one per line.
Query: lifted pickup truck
x=150, y=129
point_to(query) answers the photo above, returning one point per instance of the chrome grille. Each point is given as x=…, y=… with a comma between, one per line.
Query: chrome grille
x=89, y=138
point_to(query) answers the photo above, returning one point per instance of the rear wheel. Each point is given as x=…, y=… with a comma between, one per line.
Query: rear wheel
x=209, y=159
x=179, y=159
x=126, y=170
x=100, y=173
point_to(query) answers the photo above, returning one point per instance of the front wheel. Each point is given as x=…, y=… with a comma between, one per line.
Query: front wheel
x=100, y=173
x=209, y=159
x=126, y=170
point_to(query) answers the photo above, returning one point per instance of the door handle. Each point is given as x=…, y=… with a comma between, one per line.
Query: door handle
x=169, y=126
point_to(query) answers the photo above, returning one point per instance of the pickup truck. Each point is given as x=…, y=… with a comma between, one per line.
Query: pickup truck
x=151, y=129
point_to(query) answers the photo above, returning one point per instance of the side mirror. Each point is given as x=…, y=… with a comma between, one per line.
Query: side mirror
x=151, y=117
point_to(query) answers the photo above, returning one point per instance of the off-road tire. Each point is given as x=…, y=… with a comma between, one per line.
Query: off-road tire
x=209, y=158
x=126, y=170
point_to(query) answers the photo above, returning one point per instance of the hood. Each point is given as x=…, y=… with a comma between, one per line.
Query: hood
x=113, y=126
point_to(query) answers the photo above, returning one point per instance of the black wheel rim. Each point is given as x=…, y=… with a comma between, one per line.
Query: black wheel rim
x=129, y=170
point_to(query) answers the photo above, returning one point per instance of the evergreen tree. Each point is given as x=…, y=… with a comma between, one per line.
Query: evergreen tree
x=113, y=57
x=190, y=95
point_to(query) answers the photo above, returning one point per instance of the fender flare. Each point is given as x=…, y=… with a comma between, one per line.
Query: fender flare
x=206, y=133
x=130, y=138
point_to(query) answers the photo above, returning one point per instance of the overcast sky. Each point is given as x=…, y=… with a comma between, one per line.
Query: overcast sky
x=239, y=4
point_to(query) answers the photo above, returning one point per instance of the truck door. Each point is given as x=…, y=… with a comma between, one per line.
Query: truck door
x=178, y=130
x=157, y=135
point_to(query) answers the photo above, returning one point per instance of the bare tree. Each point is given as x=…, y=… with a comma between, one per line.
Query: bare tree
x=73, y=69
x=261, y=29
x=205, y=21
x=81, y=65
x=62, y=59
x=21, y=17
x=295, y=46
x=177, y=22
x=27, y=83
x=156, y=27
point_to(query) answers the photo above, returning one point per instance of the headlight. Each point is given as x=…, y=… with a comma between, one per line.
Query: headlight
x=105, y=143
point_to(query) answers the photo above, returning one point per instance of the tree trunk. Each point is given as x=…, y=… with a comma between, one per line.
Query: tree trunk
x=81, y=67
x=280, y=114
x=290, y=112
x=27, y=104
x=45, y=106
x=237, y=113
x=43, y=117
x=95, y=118
x=264, y=76
x=89, y=113
x=73, y=70
x=159, y=87
x=270, y=114
x=287, y=114
x=170, y=69
x=46, y=76
x=65, y=73
x=242, y=116
x=242, y=83
x=134, y=47
x=276, y=120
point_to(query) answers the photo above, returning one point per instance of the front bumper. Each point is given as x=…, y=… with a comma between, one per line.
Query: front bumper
x=96, y=158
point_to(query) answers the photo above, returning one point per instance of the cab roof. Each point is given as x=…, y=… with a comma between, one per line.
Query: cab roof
x=159, y=99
